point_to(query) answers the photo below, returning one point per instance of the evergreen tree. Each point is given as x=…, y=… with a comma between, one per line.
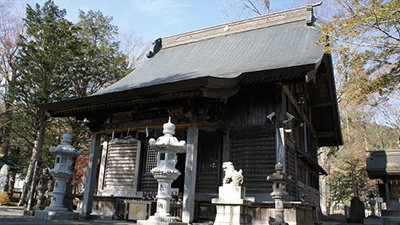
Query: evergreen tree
x=59, y=60
x=99, y=62
x=40, y=71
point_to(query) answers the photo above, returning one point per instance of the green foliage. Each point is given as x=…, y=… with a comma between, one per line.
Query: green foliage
x=350, y=181
x=349, y=177
x=58, y=60
x=39, y=74
x=365, y=35
x=4, y=198
x=364, y=38
x=99, y=62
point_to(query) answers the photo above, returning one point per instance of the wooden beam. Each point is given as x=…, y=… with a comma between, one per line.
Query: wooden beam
x=326, y=134
x=322, y=104
x=299, y=109
x=198, y=125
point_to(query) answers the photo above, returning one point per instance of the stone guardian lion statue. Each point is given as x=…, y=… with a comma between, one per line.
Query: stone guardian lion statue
x=232, y=176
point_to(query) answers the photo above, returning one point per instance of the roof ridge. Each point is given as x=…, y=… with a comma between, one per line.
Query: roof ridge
x=292, y=15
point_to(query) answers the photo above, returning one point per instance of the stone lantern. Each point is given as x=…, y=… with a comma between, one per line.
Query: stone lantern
x=62, y=171
x=42, y=188
x=279, y=193
x=167, y=146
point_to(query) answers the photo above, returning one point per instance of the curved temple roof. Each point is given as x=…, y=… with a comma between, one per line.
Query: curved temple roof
x=227, y=51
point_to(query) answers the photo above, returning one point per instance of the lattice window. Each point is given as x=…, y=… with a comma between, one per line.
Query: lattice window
x=256, y=157
x=208, y=166
x=148, y=182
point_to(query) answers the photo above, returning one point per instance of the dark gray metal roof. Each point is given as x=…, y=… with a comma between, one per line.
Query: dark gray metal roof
x=384, y=164
x=277, y=46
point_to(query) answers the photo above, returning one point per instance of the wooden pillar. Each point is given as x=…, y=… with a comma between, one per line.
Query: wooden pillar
x=387, y=191
x=91, y=175
x=296, y=170
x=190, y=175
x=280, y=102
x=226, y=148
x=137, y=166
x=102, y=171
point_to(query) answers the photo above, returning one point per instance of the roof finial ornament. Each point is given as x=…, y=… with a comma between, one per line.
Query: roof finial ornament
x=157, y=45
x=310, y=13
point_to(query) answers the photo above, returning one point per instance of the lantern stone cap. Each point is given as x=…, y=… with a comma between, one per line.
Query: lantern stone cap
x=168, y=142
x=169, y=128
x=67, y=138
x=65, y=148
x=279, y=167
x=278, y=175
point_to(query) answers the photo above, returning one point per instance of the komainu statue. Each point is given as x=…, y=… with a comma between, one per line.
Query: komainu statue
x=232, y=176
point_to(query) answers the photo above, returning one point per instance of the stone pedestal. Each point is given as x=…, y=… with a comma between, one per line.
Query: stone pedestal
x=152, y=221
x=373, y=220
x=231, y=207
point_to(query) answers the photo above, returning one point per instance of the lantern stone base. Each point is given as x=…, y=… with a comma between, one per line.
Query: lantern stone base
x=278, y=223
x=153, y=222
x=160, y=220
x=56, y=215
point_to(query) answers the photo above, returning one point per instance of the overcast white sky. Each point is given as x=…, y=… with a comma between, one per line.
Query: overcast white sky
x=156, y=18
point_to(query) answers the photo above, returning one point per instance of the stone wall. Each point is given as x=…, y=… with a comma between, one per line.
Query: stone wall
x=296, y=213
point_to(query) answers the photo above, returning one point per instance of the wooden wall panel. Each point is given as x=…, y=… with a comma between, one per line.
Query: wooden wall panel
x=208, y=166
x=250, y=107
x=121, y=159
x=256, y=157
x=291, y=170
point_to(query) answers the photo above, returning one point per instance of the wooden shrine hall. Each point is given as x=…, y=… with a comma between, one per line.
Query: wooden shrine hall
x=254, y=92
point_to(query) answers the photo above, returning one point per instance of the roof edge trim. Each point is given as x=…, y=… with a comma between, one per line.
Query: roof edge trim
x=237, y=26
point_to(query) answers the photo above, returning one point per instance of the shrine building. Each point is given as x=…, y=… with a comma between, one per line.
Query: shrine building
x=254, y=92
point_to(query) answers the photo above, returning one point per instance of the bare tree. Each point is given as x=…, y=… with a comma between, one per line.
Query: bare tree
x=134, y=47
x=241, y=9
x=11, y=28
